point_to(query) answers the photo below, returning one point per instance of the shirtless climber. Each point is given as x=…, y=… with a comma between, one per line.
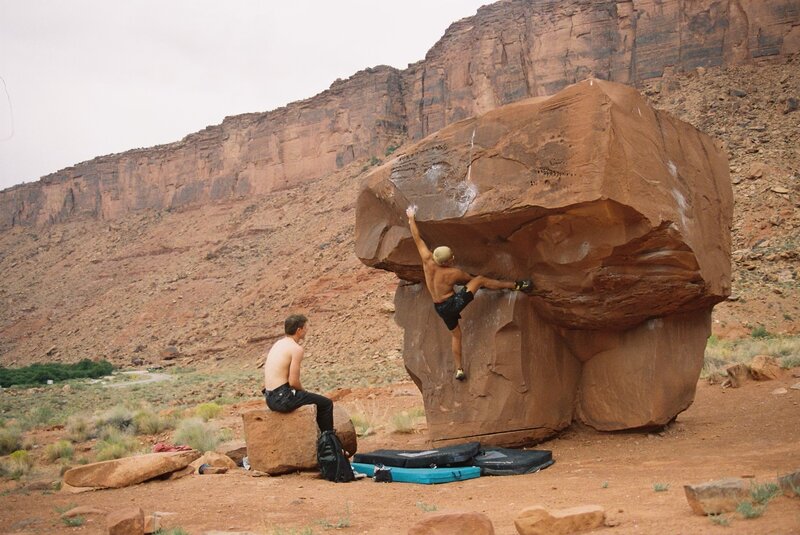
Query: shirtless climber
x=282, y=388
x=440, y=276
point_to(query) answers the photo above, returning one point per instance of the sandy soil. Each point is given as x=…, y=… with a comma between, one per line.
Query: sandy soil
x=745, y=432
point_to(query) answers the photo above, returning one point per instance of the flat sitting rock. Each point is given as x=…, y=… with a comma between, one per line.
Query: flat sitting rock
x=279, y=443
x=537, y=520
x=715, y=497
x=128, y=471
x=451, y=523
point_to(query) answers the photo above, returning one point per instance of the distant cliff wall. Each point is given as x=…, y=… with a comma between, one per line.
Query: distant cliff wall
x=508, y=51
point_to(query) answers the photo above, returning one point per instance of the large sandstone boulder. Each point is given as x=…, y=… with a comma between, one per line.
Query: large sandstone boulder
x=279, y=443
x=619, y=213
x=128, y=471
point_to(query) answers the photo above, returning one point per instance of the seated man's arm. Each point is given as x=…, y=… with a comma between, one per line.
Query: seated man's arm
x=294, y=369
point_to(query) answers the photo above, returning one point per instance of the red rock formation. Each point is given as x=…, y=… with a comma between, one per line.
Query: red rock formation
x=507, y=52
x=619, y=213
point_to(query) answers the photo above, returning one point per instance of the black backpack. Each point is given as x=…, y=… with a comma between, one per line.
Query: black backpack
x=333, y=463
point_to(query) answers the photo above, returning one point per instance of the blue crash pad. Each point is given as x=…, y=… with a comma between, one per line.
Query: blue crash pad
x=425, y=476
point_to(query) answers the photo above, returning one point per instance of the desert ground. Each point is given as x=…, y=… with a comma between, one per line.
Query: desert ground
x=747, y=432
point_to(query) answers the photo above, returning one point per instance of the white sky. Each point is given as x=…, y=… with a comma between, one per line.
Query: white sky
x=84, y=78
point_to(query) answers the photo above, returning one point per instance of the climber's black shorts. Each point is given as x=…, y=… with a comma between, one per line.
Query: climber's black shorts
x=450, y=309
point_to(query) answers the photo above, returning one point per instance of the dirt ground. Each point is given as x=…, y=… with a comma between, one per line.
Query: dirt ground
x=746, y=432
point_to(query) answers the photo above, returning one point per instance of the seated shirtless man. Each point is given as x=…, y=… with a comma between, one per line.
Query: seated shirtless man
x=440, y=277
x=282, y=387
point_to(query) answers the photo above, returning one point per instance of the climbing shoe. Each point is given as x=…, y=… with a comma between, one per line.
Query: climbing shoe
x=460, y=375
x=523, y=286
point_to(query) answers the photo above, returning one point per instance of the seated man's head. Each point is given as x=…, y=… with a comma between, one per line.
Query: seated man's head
x=442, y=255
x=294, y=323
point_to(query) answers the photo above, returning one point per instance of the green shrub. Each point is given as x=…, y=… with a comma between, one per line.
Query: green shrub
x=427, y=507
x=720, y=520
x=760, y=332
x=196, y=434
x=10, y=439
x=172, y=531
x=661, y=487
x=748, y=510
x=148, y=422
x=41, y=373
x=362, y=425
x=390, y=150
x=790, y=361
x=115, y=444
x=118, y=417
x=762, y=494
x=207, y=411
x=59, y=450
x=403, y=422
x=42, y=415
x=80, y=428
x=73, y=522
x=726, y=352
x=18, y=464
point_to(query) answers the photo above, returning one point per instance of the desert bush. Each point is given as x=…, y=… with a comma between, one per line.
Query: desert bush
x=762, y=494
x=790, y=361
x=79, y=428
x=172, y=531
x=660, y=487
x=59, y=450
x=748, y=510
x=427, y=507
x=148, y=422
x=10, y=439
x=197, y=434
x=18, y=464
x=362, y=425
x=40, y=373
x=39, y=416
x=723, y=353
x=720, y=520
x=73, y=522
x=115, y=444
x=760, y=332
x=404, y=422
x=118, y=417
x=207, y=411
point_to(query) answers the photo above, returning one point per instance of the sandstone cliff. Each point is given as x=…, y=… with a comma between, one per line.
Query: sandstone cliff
x=508, y=51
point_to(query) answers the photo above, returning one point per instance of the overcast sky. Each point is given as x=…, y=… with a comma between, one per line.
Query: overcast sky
x=84, y=78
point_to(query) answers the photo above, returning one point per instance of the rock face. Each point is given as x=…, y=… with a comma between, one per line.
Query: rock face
x=620, y=214
x=507, y=52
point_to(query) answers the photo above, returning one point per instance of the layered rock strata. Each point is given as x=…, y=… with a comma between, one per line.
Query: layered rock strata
x=621, y=216
x=507, y=52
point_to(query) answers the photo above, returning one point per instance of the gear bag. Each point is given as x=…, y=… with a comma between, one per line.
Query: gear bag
x=333, y=463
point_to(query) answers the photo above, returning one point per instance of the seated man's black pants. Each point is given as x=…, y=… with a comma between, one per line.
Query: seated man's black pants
x=286, y=399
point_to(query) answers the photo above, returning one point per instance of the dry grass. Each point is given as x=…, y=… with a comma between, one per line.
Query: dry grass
x=720, y=354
